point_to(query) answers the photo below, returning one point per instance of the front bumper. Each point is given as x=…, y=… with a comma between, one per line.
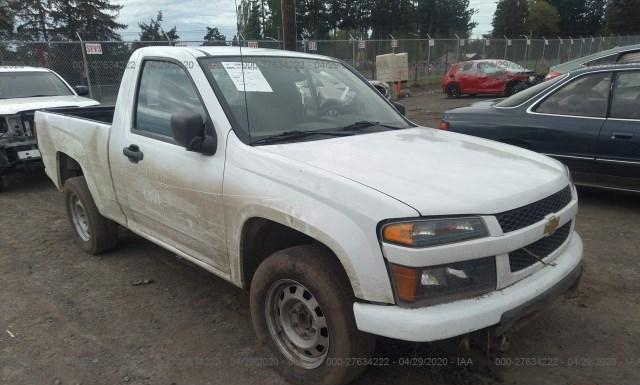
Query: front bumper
x=15, y=151
x=500, y=308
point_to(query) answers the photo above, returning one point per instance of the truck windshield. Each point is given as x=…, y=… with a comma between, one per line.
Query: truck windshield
x=283, y=98
x=31, y=84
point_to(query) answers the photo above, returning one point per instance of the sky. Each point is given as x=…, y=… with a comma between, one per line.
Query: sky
x=191, y=17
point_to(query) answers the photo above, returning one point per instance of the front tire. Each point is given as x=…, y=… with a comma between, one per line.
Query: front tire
x=302, y=310
x=95, y=233
x=515, y=88
x=453, y=91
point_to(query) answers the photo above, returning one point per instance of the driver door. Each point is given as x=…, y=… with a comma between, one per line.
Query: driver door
x=168, y=194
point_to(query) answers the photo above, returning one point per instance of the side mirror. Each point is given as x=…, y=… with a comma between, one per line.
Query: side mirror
x=188, y=130
x=399, y=107
x=81, y=90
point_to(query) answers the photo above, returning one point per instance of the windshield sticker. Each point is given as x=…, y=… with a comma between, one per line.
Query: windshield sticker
x=253, y=79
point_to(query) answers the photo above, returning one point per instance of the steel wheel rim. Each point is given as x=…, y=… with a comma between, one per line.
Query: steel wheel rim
x=297, y=324
x=79, y=218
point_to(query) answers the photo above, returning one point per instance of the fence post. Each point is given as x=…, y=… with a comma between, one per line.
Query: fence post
x=457, y=48
x=86, y=65
x=506, y=45
x=429, y=53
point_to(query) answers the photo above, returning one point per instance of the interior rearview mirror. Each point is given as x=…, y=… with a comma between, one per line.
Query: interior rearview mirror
x=188, y=130
x=81, y=90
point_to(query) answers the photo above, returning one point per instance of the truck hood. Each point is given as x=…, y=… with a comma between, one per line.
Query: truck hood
x=435, y=172
x=18, y=105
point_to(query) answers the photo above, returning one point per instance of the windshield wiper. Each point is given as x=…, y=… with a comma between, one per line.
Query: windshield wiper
x=298, y=134
x=363, y=124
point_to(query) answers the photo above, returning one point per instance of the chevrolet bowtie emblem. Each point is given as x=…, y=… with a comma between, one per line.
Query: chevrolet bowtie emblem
x=552, y=225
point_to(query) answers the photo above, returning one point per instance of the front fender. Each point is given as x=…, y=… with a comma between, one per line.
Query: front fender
x=340, y=213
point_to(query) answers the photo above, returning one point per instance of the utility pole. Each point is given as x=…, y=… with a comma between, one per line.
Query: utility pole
x=289, y=24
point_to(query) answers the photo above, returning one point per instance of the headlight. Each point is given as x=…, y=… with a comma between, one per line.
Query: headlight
x=568, y=174
x=433, y=232
x=438, y=284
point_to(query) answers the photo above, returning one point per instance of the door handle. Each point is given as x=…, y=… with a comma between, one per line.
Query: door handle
x=133, y=153
x=621, y=136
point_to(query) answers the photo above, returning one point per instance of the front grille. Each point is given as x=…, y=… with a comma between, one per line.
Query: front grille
x=527, y=215
x=520, y=259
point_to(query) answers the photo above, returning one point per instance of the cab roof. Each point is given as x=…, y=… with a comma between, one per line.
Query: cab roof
x=23, y=69
x=213, y=51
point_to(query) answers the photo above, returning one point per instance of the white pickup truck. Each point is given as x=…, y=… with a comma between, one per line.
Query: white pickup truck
x=342, y=225
x=23, y=90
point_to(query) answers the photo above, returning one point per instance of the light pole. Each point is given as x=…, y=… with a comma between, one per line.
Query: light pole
x=526, y=48
x=418, y=46
x=506, y=45
x=457, y=48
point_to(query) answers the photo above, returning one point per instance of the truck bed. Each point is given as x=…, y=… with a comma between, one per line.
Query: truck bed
x=102, y=114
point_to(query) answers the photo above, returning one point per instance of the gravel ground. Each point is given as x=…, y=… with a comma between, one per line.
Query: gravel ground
x=69, y=318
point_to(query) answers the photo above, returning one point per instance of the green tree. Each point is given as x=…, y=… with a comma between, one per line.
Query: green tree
x=153, y=30
x=622, y=17
x=510, y=18
x=214, y=37
x=6, y=19
x=249, y=20
x=92, y=19
x=543, y=19
x=580, y=17
x=32, y=19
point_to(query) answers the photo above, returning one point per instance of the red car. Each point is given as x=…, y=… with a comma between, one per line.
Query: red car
x=475, y=77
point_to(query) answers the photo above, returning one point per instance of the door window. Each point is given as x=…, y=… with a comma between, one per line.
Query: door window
x=626, y=96
x=585, y=96
x=164, y=89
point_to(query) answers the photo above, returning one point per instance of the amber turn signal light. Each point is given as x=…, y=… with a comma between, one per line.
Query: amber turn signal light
x=406, y=282
x=401, y=233
x=444, y=125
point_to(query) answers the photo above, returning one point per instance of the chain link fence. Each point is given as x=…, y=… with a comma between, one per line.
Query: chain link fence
x=428, y=58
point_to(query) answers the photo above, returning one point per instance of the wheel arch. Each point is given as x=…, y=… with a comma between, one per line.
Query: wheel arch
x=260, y=237
x=67, y=168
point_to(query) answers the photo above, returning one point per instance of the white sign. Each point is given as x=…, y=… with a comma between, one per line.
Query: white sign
x=561, y=41
x=461, y=42
x=546, y=42
x=392, y=67
x=509, y=42
x=252, y=44
x=313, y=46
x=93, y=48
x=528, y=41
x=432, y=43
x=487, y=42
x=250, y=79
x=394, y=43
x=362, y=44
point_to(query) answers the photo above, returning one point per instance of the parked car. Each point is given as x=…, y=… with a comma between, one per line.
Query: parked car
x=621, y=55
x=341, y=227
x=589, y=119
x=500, y=77
x=22, y=91
x=382, y=87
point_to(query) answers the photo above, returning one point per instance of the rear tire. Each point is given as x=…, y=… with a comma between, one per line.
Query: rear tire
x=302, y=310
x=95, y=233
x=453, y=91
